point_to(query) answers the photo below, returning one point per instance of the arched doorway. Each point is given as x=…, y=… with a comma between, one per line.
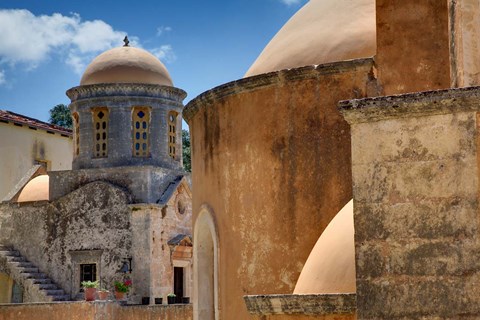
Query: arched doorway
x=205, y=262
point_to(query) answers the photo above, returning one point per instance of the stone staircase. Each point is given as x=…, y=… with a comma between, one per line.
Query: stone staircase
x=38, y=286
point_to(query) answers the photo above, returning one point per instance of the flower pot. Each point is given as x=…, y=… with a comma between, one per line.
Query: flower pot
x=90, y=294
x=119, y=295
x=145, y=300
x=186, y=300
x=171, y=300
x=103, y=295
x=158, y=301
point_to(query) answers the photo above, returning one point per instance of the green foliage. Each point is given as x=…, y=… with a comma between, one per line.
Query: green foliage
x=60, y=116
x=122, y=286
x=171, y=295
x=90, y=284
x=187, y=159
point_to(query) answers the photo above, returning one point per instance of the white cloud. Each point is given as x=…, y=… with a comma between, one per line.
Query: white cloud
x=29, y=40
x=164, y=53
x=162, y=29
x=2, y=77
x=290, y=2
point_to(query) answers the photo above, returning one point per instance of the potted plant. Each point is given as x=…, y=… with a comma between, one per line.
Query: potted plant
x=103, y=294
x=90, y=289
x=158, y=300
x=186, y=300
x=121, y=288
x=171, y=298
x=145, y=300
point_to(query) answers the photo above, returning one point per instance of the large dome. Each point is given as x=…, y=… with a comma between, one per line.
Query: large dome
x=322, y=31
x=126, y=65
x=35, y=190
x=330, y=268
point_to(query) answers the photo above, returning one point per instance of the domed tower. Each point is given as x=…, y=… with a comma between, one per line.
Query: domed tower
x=127, y=120
x=126, y=112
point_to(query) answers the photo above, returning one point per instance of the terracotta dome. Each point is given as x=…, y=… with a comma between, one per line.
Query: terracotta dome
x=36, y=189
x=126, y=65
x=330, y=268
x=322, y=31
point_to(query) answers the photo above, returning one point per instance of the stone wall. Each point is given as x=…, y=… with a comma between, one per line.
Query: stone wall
x=271, y=162
x=415, y=177
x=93, y=311
x=302, y=307
x=51, y=234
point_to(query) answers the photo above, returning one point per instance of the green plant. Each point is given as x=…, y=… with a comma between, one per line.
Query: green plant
x=171, y=295
x=90, y=284
x=123, y=286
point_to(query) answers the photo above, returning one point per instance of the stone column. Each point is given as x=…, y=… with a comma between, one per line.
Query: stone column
x=415, y=176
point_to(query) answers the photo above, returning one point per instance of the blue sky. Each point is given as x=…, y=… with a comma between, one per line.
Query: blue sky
x=45, y=45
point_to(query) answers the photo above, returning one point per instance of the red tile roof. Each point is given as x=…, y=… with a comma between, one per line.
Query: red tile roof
x=8, y=116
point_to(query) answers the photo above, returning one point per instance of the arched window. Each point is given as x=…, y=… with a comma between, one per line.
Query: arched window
x=100, y=132
x=141, y=132
x=172, y=134
x=76, y=133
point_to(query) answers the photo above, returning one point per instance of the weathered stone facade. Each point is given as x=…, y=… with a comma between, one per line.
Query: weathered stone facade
x=415, y=178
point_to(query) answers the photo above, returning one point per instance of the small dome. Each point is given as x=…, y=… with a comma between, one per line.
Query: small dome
x=322, y=31
x=126, y=65
x=36, y=189
x=330, y=268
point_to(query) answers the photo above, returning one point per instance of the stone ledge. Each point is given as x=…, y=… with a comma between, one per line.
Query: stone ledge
x=126, y=89
x=411, y=105
x=269, y=79
x=308, y=304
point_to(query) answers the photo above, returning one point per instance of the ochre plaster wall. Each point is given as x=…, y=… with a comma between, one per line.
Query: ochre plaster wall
x=93, y=311
x=304, y=317
x=272, y=162
x=412, y=45
x=21, y=146
x=6, y=284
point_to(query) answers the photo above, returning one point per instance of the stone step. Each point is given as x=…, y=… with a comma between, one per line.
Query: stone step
x=54, y=292
x=41, y=281
x=9, y=253
x=28, y=270
x=15, y=259
x=22, y=264
x=64, y=297
x=36, y=275
x=47, y=286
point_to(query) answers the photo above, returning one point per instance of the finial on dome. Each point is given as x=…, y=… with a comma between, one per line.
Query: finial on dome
x=125, y=40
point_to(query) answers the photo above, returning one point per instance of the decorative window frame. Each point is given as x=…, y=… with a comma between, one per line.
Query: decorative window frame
x=100, y=132
x=76, y=133
x=79, y=257
x=172, y=118
x=141, y=135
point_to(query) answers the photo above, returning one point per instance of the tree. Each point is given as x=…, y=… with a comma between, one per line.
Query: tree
x=187, y=160
x=60, y=116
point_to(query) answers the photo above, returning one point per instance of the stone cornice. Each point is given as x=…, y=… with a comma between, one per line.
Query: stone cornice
x=125, y=90
x=411, y=105
x=308, y=304
x=269, y=79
